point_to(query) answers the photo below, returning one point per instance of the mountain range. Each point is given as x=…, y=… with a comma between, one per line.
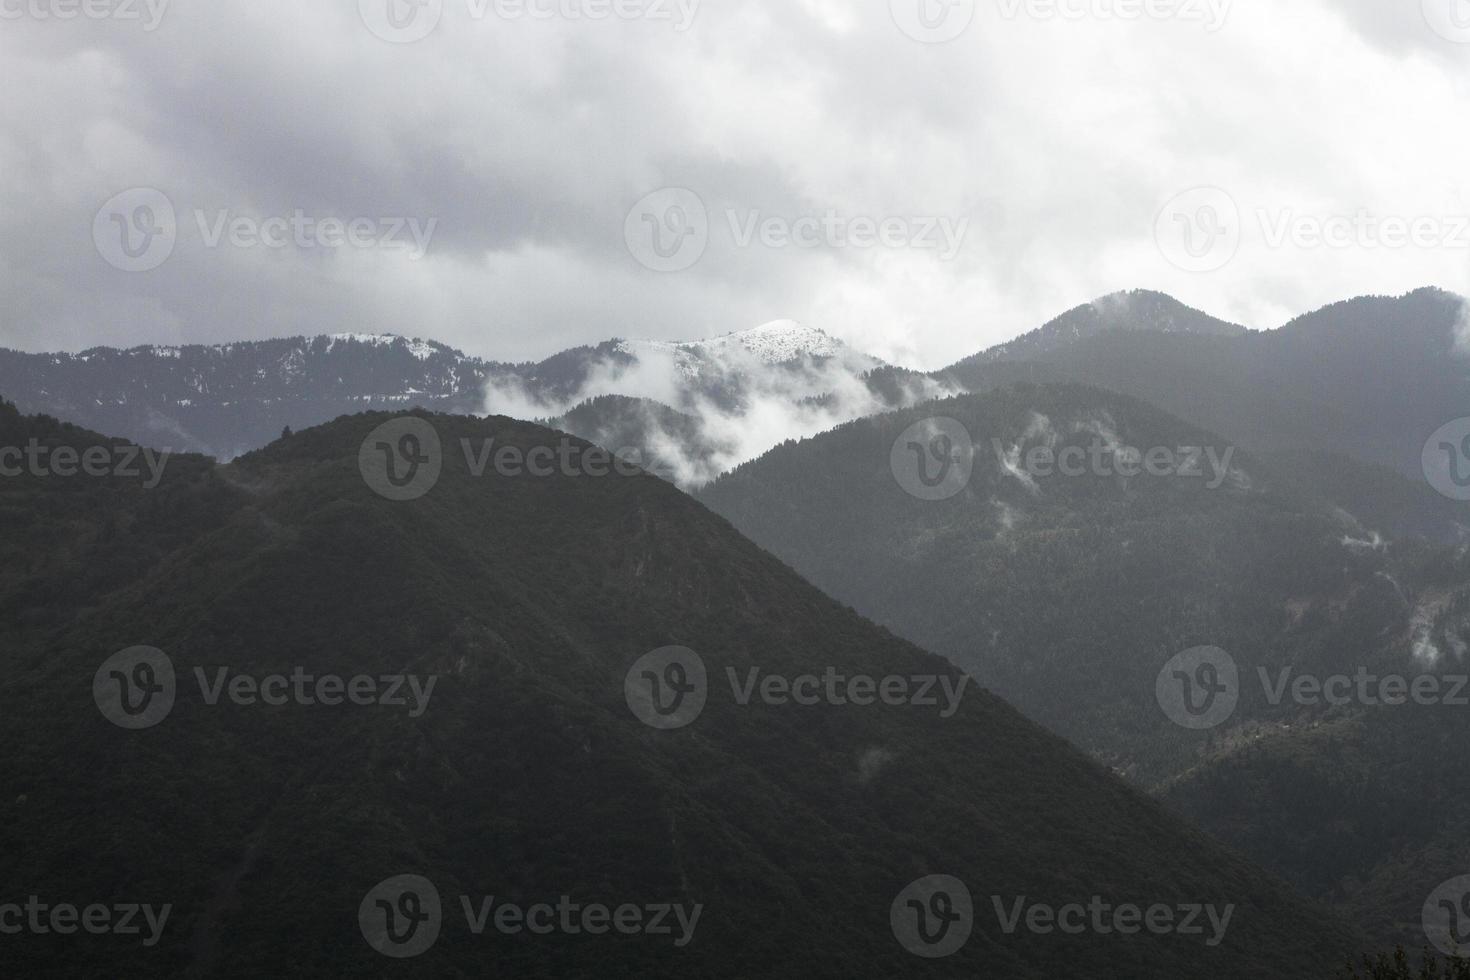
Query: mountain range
x=285, y=836
x=1283, y=521
x=1070, y=594
x=691, y=410
x=1364, y=378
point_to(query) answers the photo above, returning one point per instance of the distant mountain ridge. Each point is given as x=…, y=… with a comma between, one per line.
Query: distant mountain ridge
x=741, y=392
x=227, y=399
x=1370, y=377
x=1367, y=378
x=1137, y=310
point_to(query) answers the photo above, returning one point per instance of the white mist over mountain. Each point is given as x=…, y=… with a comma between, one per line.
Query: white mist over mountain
x=733, y=397
x=1462, y=329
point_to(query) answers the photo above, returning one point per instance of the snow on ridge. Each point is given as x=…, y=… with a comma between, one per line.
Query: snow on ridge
x=780, y=340
x=375, y=339
x=770, y=343
x=421, y=349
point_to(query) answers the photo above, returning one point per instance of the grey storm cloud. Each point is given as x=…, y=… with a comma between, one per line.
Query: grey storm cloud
x=1053, y=140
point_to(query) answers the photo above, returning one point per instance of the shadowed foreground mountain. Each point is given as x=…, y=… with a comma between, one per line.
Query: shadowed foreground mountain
x=526, y=776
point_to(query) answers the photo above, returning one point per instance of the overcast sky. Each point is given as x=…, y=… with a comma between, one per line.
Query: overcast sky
x=920, y=182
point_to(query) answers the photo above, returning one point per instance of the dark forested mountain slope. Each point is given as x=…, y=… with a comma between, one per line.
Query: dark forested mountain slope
x=1070, y=595
x=526, y=776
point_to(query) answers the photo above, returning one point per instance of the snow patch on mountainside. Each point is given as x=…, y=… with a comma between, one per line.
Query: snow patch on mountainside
x=778, y=342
